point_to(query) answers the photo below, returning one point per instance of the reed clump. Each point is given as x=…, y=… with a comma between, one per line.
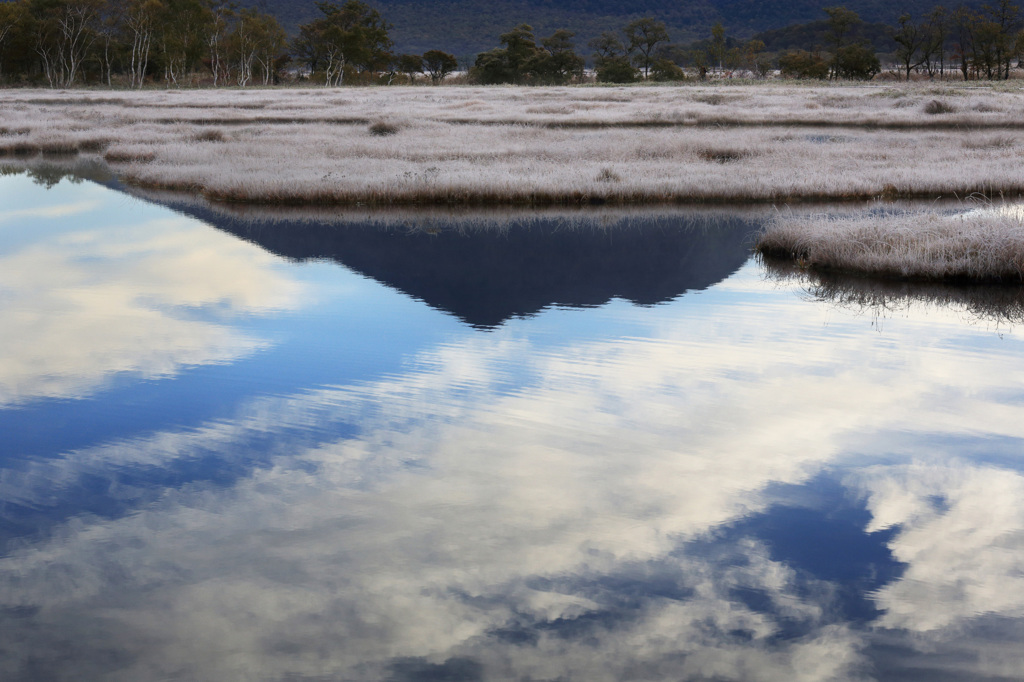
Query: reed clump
x=383, y=129
x=723, y=155
x=210, y=135
x=991, y=142
x=981, y=245
x=937, y=106
x=712, y=98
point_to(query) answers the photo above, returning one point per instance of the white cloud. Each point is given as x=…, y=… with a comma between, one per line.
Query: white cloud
x=55, y=211
x=961, y=535
x=80, y=307
x=464, y=507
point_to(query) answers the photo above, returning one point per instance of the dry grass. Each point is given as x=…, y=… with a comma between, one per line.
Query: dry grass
x=461, y=145
x=437, y=163
x=982, y=245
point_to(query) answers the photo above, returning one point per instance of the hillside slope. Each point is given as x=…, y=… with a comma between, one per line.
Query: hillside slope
x=465, y=27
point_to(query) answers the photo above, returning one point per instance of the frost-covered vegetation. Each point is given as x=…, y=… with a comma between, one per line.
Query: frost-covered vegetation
x=456, y=145
x=982, y=245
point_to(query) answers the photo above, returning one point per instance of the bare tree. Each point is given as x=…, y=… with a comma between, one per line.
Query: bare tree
x=911, y=40
x=963, y=37
x=64, y=38
x=139, y=21
x=221, y=14
x=1005, y=17
x=185, y=27
x=938, y=29
x=271, y=42
x=12, y=15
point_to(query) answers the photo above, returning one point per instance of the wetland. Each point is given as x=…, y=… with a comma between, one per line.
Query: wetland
x=247, y=443
x=490, y=384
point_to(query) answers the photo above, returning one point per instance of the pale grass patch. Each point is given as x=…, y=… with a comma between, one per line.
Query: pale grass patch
x=535, y=145
x=754, y=105
x=525, y=164
x=985, y=245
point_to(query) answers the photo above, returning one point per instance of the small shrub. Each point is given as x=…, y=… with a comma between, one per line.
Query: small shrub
x=608, y=175
x=890, y=193
x=886, y=77
x=802, y=64
x=383, y=129
x=937, y=106
x=722, y=155
x=714, y=99
x=616, y=70
x=666, y=70
x=211, y=135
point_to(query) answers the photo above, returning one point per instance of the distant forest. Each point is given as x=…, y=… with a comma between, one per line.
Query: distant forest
x=131, y=43
x=468, y=27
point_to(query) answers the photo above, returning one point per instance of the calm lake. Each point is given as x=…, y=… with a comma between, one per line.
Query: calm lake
x=554, y=446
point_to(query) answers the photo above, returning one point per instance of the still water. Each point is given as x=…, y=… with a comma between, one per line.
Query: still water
x=550, y=447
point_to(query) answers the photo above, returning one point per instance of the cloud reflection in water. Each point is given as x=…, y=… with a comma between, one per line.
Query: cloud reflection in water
x=573, y=526
x=147, y=296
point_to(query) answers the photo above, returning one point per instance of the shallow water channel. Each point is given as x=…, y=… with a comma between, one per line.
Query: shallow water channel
x=597, y=446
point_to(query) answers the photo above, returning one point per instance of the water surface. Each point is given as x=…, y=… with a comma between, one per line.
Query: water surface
x=543, y=447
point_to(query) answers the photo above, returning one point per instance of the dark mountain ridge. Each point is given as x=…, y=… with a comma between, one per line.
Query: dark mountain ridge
x=464, y=27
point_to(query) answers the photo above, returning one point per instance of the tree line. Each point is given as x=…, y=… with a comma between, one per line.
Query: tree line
x=129, y=43
x=66, y=42
x=188, y=42
x=980, y=44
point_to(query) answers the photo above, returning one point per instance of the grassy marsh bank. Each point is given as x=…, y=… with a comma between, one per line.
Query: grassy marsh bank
x=537, y=146
x=983, y=245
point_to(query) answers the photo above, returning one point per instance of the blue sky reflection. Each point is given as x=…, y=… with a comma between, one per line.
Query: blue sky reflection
x=541, y=502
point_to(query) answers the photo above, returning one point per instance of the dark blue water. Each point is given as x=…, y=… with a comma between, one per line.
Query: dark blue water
x=533, y=447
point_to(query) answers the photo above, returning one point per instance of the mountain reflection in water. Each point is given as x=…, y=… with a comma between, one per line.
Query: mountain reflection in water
x=488, y=270
x=335, y=481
